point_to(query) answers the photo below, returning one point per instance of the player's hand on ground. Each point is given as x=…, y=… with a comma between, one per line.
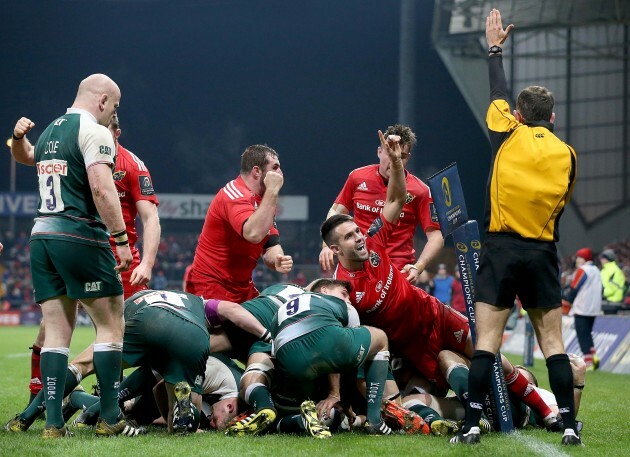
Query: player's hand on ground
x=411, y=272
x=273, y=181
x=124, y=258
x=141, y=275
x=495, y=35
x=283, y=263
x=391, y=146
x=326, y=259
x=22, y=127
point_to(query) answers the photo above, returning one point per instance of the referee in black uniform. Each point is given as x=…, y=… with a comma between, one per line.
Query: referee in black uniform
x=532, y=177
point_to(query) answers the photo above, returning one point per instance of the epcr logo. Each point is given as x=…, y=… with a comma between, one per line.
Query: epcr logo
x=462, y=247
x=446, y=190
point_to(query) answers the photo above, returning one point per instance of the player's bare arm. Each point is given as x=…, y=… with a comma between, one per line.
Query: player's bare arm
x=326, y=256
x=22, y=149
x=435, y=242
x=277, y=260
x=239, y=316
x=108, y=205
x=257, y=226
x=397, y=187
x=150, y=241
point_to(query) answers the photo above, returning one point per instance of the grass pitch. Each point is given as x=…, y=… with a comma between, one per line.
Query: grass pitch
x=605, y=412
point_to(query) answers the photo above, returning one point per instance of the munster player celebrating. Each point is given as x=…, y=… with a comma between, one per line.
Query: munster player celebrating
x=240, y=226
x=417, y=325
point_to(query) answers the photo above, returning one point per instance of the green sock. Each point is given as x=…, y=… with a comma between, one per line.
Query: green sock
x=82, y=400
x=291, y=424
x=108, y=366
x=136, y=383
x=458, y=380
x=425, y=412
x=34, y=409
x=375, y=377
x=258, y=397
x=54, y=365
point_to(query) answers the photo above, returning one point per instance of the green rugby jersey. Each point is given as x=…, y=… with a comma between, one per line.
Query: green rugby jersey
x=187, y=306
x=63, y=153
x=307, y=313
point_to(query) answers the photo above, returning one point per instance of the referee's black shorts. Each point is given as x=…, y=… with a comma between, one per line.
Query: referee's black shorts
x=511, y=266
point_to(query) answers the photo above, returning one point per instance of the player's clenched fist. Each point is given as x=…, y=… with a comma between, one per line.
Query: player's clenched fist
x=22, y=127
x=273, y=181
x=283, y=263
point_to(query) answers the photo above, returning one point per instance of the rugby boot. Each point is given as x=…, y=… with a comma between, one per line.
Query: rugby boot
x=122, y=427
x=444, y=427
x=378, y=429
x=252, y=424
x=183, y=411
x=85, y=419
x=570, y=438
x=51, y=432
x=313, y=425
x=472, y=437
x=17, y=424
x=408, y=421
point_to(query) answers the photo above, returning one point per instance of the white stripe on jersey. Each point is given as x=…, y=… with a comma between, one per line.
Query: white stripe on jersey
x=232, y=191
x=140, y=163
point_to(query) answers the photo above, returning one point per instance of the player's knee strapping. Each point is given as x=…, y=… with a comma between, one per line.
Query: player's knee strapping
x=264, y=369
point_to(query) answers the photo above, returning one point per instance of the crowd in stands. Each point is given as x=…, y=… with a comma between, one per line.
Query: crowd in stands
x=176, y=252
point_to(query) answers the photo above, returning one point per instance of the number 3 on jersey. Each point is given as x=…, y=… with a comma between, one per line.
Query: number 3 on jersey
x=49, y=173
x=296, y=306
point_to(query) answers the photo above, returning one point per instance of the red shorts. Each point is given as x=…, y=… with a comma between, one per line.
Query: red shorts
x=128, y=289
x=204, y=286
x=449, y=331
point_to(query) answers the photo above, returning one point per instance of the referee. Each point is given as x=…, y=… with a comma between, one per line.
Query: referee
x=532, y=177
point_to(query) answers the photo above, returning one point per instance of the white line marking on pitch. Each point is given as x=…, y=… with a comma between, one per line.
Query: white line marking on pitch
x=537, y=446
x=15, y=356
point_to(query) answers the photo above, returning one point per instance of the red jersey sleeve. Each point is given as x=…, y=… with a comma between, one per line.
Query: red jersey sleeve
x=139, y=179
x=380, y=230
x=425, y=210
x=346, y=195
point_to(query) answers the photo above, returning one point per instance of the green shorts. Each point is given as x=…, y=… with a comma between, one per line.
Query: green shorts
x=330, y=349
x=73, y=269
x=174, y=347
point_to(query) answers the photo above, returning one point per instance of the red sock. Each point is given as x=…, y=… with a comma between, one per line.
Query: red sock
x=519, y=386
x=36, y=375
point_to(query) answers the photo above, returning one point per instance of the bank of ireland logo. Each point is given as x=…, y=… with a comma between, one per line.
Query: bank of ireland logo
x=446, y=190
x=461, y=247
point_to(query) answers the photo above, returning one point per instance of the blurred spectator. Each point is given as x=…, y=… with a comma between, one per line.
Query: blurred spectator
x=443, y=285
x=613, y=278
x=159, y=282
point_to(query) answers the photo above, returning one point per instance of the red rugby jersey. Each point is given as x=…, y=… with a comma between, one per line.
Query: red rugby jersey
x=133, y=183
x=222, y=252
x=364, y=195
x=383, y=296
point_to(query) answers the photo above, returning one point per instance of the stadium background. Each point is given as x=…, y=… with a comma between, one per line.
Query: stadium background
x=202, y=79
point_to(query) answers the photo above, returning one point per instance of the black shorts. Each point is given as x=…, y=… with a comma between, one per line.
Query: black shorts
x=511, y=266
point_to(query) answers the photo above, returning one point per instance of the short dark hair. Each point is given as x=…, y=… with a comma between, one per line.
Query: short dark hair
x=534, y=380
x=535, y=103
x=330, y=224
x=404, y=132
x=330, y=282
x=256, y=156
